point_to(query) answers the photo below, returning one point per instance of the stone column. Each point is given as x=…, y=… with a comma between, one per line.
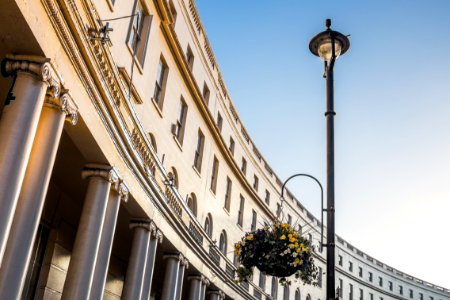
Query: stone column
x=117, y=194
x=205, y=283
x=156, y=237
x=32, y=196
x=18, y=126
x=195, y=287
x=216, y=295
x=134, y=280
x=85, y=250
x=171, y=276
x=184, y=264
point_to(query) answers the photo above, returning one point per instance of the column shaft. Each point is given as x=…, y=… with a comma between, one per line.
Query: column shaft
x=180, y=282
x=171, y=277
x=105, y=248
x=195, y=288
x=134, y=280
x=31, y=202
x=18, y=125
x=84, y=255
x=149, y=268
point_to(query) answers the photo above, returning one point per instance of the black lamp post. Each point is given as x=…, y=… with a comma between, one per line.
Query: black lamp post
x=328, y=45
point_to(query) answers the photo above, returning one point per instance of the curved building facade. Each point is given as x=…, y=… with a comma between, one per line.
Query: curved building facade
x=126, y=172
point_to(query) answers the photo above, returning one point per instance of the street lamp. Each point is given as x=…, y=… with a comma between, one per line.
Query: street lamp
x=328, y=45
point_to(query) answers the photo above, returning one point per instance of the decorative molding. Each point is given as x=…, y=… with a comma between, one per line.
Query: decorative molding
x=106, y=172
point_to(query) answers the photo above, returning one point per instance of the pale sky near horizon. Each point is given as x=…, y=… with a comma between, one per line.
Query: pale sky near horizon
x=392, y=98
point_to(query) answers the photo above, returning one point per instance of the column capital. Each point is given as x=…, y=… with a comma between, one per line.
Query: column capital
x=143, y=223
x=106, y=172
x=35, y=65
x=157, y=234
x=122, y=189
x=63, y=102
x=183, y=260
x=205, y=280
x=218, y=293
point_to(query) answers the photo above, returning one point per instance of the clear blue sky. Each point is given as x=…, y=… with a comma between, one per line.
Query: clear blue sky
x=392, y=98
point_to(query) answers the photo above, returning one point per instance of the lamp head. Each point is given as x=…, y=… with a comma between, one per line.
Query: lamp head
x=322, y=44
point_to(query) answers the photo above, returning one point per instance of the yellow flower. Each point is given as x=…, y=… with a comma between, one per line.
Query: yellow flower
x=294, y=254
x=291, y=246
x=292, y=239
x=283, y=237
x=250, y=237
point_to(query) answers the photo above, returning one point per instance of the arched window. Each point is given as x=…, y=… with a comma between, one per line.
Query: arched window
x=223, y=242
x=286, y=293
x=173, y=177
x=308, y=297
x=192, y=204
x=208, y=225
x=297, y=294
x=274, y=291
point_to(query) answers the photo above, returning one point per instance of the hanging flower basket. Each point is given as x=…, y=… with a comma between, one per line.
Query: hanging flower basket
x=277, y=250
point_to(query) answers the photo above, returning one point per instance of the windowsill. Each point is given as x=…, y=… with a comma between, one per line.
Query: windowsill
x=177, y=142
x=158, y=109
x=240, y=227
x=226, y=211
x=212, y=192
x=138, y=64
x=196, y=171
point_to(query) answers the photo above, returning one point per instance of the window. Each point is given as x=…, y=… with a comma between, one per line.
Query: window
x=155, y=148
x=278, y=209
x=198, y=156
x=371, y=296
x=190, y=57
x=173, y=12
x=289, y=220
x=160, y=85
x=350, y=292
x=297, y=294
x=231, y=148
x=391, y=286
x=262, y=281
x=219, y=121
x=253, y=220
x=241, y=211
x=178, y=128
x=350, y=266
x=360, y=272
x=214, y=173
x=411, y=294
x=361, y=294
x=299, y=228
x=319, y=278
x=370, y=277
x=420, y=296
x=308, y=297
x=139, y=31
x=208, y=225
x=340, y=260
x=267, y=198
x=380, y=281
x=310, y=237
x=255, y=182
x=228, y=194
x=400, y=290
x=244, y=166
x=274, y=290
x=192, y=204
x=206, y=93
x=286, y=293
x=223, y=242
x=341, y=286
x=431, y=298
